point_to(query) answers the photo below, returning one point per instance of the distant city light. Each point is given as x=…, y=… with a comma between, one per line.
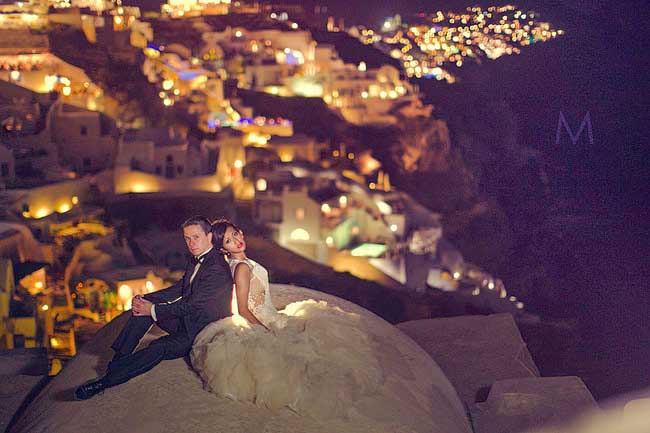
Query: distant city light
x=261, y=185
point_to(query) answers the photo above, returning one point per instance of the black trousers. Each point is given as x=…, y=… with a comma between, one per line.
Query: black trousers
x=126, y=364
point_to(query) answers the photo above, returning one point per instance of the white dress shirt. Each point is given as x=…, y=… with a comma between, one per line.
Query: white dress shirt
x=196, y=269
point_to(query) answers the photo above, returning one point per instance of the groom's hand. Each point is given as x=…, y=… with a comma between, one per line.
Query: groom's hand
x=141, y=307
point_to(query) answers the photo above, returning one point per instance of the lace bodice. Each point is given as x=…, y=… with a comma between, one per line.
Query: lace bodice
x=259, y=295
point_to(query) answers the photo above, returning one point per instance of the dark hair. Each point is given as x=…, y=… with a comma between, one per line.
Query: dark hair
x=219, y=228
x=198, y=220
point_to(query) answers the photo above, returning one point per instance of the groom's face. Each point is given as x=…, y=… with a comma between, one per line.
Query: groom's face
x=196, y=239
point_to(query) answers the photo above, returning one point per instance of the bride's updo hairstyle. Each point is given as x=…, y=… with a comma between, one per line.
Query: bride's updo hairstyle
x=219, y=228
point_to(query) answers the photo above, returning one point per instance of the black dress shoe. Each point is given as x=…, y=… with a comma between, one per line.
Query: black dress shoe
x=84, y=392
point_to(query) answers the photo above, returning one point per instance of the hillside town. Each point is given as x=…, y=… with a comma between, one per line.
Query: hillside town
x=104, y=107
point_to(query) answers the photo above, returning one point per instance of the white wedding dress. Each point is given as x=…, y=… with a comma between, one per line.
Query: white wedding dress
x=316, y=360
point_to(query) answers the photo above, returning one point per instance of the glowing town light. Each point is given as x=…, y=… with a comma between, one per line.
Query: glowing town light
x=64, y=208
x=65, y=81
x=261, y=185
x=238, y=163
x=38, y=285
x=238, y=34
x=176, y=92
x=125, y=293
x=325, y=208
x=364, y=94
x=393, y=228
x=29, y=18
x=372, y=185
x=491, y=285
x=168, y=102
x=294, y=26
x=343, y=201
x=476, y=291
x=329, y=241
x=41, y=213
x=520, y=305
x=54, y=342
x=14, y=75
x=167, y=84
x=45, y=307
x=384, y=208
x=66, y=91
x=148, y=285
x=362, y=67
x=456, y=275
x=299, y=234
x=74, y=199
x=383, y=94
x=512, y=299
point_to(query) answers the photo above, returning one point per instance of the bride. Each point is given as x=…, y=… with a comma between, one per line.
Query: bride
x=311, y=358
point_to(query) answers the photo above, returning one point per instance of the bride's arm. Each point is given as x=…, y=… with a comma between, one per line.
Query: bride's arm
x=242, y=286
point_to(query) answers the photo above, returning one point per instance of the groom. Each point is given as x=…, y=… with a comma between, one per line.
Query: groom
x=202, y=296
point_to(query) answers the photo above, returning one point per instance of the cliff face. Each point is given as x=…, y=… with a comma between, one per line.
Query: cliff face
x=424, y=146
x=422, y=160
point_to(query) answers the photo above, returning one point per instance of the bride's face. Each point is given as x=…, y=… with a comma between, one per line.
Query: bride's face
x=233, y=241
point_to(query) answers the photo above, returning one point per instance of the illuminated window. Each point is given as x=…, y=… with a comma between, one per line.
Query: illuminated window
x=299, y=235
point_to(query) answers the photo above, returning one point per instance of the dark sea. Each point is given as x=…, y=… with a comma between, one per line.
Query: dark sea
x=594, y=213
x=597, y=209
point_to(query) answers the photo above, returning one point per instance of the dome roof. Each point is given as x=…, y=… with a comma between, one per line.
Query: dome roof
x=171, y=397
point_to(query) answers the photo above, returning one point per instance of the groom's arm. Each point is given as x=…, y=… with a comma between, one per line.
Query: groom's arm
x=212, y=282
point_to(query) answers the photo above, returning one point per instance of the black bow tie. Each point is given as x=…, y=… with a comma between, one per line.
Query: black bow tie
x=198, y=259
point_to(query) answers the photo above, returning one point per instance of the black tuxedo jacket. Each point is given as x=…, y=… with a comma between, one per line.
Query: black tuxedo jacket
x=196, y=304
